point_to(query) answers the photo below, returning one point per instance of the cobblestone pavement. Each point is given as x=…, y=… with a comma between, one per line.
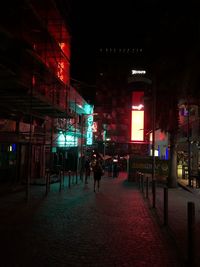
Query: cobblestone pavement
x=77, y=227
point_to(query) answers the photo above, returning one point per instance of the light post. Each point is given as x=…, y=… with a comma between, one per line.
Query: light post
x=153, y=132
x=104, y=152
x=189, y=145
x=104, y=147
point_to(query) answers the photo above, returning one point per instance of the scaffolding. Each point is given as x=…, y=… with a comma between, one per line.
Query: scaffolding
x=34, y=72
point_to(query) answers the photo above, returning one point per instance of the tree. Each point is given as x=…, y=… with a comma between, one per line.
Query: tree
x=167, y=120
x=173, y=82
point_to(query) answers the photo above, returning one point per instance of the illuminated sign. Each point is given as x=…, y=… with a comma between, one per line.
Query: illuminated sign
x=137, y=125
x=67, y=140
x=89, y=136
x=135, y=72
x=137, y=116
x=54, y=149
x=94, y=127
x=139, y=107
x=156, y=154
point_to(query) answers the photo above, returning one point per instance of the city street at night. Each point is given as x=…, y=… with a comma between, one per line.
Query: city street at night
x=103, y=92
x=77, y=227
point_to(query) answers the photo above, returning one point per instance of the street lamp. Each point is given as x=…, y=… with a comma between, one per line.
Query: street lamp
x=153, y=131
x=189, y=144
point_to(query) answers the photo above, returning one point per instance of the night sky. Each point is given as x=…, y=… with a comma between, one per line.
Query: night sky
x=159, y=28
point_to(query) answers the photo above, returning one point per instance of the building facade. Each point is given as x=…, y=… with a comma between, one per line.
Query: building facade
x=36, y=101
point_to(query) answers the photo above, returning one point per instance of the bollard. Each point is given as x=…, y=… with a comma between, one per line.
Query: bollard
x=139, y=176
x=61, y=174
x=69, y=173
x=81, y=174
x=147, y=187
x=142, y=181
x=191, y=233
x=86, y=177
x=139, y=180
x=63, y=179
x=47, y=176
x=154, y=192
x=73, y=177
x=165, y=206
x=60, y=180
x=46, y=183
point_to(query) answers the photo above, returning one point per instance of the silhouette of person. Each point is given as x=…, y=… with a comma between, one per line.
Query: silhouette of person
x=87, y=170
x=97, y=172
x=115, y=170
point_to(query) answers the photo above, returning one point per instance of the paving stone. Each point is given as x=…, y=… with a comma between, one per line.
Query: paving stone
x=77, y=227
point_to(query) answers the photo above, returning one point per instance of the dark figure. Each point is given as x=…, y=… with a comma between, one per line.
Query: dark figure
x=82, y=163
x=98, y=172
x=115, y=170
x=87, y=170
x=198, y=178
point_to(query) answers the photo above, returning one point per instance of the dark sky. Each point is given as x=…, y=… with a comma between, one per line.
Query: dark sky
x=159, y=27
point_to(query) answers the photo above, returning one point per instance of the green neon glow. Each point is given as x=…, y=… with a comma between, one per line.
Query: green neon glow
x=88, y=109
x=89, y=140
x=67, y=140
x=54, y=150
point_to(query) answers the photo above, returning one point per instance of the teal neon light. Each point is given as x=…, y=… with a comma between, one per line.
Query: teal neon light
x=89, y=138
x=88, y=108
x=67, y=140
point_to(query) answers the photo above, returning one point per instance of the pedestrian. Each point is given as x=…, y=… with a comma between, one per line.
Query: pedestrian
x=97, y=172
x=87, y=170
x=198, y=178
x=115, y=170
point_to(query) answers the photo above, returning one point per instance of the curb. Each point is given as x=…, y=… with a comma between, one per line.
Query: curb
x=185, y=187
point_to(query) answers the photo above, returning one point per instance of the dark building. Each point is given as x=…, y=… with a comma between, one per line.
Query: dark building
x=34, y=84
x=114, y=95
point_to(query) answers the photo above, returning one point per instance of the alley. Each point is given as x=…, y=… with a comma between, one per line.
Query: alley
x=77, y=227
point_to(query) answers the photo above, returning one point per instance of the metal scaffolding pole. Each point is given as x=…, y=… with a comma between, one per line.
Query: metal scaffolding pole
x=189, y=145
x=29, y=148
x=153, y=131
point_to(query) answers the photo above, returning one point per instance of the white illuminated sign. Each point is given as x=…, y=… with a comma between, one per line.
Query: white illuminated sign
x=135, y=72
x=67, y=140
x=138, y=107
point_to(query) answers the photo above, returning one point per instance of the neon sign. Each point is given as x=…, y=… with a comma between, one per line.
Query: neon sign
x=89, y=138
x=94, y=127
x=67, y=140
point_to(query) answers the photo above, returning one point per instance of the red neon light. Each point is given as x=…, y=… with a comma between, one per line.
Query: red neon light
x=137, y=98
x=137, y=125
x=94, y=127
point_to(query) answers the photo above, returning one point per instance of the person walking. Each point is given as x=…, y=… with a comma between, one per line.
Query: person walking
x=87, y=170
x=97, y=172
